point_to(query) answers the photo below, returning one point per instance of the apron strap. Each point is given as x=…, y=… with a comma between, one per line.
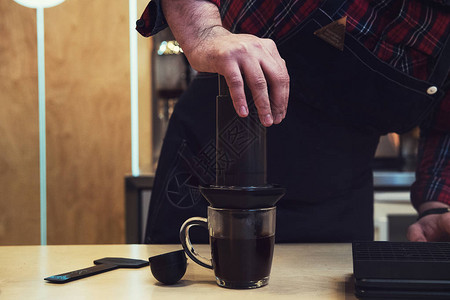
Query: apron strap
x=442, y=68
x=330, y=7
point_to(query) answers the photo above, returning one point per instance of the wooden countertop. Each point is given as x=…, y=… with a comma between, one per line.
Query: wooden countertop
x=299, y=271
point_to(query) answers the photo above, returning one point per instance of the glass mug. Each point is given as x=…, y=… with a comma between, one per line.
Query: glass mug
x=242, y=243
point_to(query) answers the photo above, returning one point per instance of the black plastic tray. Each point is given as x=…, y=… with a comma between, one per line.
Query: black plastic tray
x=401, y=260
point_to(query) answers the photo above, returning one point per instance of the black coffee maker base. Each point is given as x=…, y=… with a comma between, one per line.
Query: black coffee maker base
x=238, y=197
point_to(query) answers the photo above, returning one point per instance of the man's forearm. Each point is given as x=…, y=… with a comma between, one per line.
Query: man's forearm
x=191, y=21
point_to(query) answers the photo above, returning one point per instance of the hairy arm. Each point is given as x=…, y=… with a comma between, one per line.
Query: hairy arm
x=197, y=26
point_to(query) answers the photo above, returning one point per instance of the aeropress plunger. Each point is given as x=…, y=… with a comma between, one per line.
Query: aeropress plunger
x=241, y=169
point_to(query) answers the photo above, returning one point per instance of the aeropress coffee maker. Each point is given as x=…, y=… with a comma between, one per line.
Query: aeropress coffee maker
x=242, y=213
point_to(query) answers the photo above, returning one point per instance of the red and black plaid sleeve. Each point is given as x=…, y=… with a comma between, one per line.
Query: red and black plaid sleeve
x=433, y=172
x=268, y=19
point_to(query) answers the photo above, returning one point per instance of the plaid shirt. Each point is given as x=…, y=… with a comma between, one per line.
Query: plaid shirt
x=407, y=34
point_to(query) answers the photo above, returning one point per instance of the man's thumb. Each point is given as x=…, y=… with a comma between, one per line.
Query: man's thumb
x=415, y=233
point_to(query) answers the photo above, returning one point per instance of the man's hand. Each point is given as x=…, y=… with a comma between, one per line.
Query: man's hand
x=238, y=57
x=431, y=228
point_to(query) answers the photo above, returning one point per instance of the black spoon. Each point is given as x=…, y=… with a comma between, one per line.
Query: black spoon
x=101, y=265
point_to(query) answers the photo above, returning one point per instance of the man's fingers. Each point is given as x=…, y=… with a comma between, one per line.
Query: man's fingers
x=235, y=84
x=271, y=47
x=256, y=81
x=415, y=233
x=275, y=71
x=278, y=80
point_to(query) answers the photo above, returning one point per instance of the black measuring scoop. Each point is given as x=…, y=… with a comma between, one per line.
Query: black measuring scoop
x=101, y=266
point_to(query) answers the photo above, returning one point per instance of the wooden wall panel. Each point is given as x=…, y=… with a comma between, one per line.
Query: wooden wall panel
x=88, y=119
x=145, y=107
x=19, y=140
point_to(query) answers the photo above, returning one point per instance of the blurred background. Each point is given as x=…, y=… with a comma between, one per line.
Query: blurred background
x=88, y=119
x=95, y=195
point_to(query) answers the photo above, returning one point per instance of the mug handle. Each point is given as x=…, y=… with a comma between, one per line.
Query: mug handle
x=186, y=241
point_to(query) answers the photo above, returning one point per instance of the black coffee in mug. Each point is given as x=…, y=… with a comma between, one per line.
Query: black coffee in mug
x=242, y=245
x=243, y=260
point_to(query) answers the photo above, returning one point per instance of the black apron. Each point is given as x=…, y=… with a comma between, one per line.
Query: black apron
x=340, y=103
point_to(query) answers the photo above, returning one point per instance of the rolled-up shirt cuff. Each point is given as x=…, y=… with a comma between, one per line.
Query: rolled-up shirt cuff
x=152, y=19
